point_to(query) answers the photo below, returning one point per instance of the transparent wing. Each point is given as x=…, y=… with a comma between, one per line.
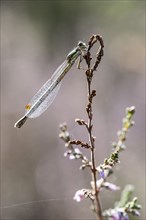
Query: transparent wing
x=46, y=103
x=46, y=95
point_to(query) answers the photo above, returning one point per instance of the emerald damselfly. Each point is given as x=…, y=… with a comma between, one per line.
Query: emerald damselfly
x=46, y=95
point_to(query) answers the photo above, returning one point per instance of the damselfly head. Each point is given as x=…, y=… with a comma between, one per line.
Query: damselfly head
x=82, y=45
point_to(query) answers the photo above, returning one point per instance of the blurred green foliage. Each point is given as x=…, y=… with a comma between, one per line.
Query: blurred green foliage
x=62, y=19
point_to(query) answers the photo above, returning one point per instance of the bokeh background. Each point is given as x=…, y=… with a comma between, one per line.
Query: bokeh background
x=36, y=36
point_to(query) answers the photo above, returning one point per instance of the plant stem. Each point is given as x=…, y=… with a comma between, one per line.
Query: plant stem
x=96, y=201
x=97, y=205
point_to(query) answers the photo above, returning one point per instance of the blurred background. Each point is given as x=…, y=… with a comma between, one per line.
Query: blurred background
x=36, y=36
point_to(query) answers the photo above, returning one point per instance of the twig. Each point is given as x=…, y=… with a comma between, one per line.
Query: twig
x=75, y=153
x=91, y=94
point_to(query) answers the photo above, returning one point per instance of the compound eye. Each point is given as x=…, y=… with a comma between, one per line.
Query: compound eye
x=80, y=44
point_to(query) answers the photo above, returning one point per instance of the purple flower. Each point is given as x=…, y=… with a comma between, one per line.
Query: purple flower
x=79, y=195
x=136, y=212
x=123, y=216
x=119, y=215
x=101, y=172
x=111, y=186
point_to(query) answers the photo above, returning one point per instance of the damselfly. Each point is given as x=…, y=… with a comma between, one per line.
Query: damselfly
x=46, y=95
